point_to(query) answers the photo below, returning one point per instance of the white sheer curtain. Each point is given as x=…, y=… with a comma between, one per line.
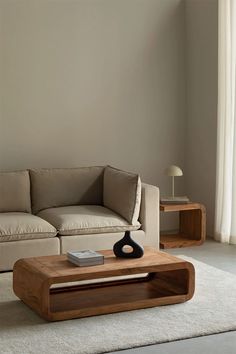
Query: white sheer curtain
x=225, y=215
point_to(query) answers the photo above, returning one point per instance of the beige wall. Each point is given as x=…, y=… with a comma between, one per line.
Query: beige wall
x=93, y=82
x=201, y=53
x=86, y=82
x=1, y=87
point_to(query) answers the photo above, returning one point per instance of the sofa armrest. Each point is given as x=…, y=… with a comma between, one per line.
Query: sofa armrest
x=149, y=214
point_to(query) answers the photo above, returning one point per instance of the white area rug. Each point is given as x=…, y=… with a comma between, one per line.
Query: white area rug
x=212, y=310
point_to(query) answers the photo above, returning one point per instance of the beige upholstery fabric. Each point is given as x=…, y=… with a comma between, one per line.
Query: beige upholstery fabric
x=10, y=252
x=97, y=241
x=147, y=235
x=122, y=193
x=69, y=186
x=23, y=226
x=85, y=219
x=149, y=214
x=15, y=191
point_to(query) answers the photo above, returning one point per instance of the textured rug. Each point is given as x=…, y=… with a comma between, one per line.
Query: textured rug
x=212, y=310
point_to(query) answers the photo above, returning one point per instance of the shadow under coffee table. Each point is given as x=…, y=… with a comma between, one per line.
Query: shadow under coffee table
x=155, y=279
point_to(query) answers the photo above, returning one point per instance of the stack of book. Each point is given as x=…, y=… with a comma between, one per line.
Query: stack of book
x=85, y=258
x=174, y=200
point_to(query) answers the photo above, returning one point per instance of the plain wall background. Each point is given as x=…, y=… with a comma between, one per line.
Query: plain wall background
x=93, y=82
x=202, y=86
x=90, y=82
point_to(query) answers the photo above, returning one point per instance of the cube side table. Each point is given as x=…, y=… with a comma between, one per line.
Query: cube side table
x=192, y=226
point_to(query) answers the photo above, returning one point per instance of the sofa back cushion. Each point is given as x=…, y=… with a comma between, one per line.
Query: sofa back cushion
x=122, y=193
x=15, y=192
x=66, y=186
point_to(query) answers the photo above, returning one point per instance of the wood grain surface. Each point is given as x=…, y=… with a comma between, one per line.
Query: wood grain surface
x=162, y=279
x=192, y=226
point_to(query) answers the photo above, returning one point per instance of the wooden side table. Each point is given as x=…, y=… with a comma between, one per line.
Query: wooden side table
x=192, y=226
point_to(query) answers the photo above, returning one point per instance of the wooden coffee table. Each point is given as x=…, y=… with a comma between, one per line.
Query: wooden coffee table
x=158, y=279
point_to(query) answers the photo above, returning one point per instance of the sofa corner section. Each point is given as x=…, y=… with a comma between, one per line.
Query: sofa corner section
x=149, y=214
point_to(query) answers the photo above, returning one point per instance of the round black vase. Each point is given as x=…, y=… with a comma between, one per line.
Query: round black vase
x=137, y=251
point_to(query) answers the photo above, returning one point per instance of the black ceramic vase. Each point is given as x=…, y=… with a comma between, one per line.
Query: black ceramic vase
x=137, y=251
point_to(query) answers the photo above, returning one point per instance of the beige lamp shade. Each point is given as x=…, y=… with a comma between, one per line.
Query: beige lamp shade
x=173, y=171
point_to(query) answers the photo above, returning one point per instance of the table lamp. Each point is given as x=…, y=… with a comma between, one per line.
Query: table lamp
x=173, y=171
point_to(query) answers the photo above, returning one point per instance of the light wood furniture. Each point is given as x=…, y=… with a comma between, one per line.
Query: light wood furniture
x=162, y=279
x=192, y=226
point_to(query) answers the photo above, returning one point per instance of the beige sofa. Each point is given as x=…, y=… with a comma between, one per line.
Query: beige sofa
x=51, y=211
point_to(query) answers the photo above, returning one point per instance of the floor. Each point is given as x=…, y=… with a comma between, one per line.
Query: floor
x=218, y=255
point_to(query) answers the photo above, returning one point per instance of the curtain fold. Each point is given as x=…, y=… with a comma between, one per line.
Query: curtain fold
x=225, y=213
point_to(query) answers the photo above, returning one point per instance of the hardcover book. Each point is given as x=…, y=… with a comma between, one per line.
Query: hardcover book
x=175, y=200
x=85, y=257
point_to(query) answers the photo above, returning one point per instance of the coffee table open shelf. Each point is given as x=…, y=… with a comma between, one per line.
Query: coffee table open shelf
x=159, y=279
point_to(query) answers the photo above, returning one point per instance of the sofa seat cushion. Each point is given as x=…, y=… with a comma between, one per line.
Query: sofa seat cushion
x=85, y=219
x=23, y=226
